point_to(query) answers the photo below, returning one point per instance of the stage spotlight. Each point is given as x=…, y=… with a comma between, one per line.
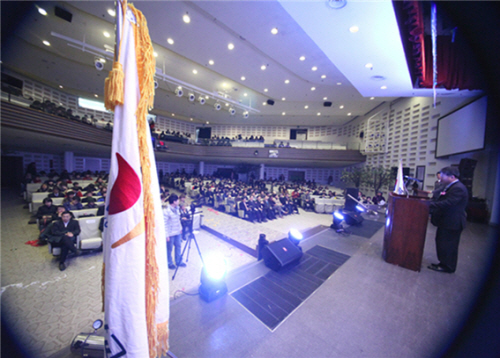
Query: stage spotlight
x=338, y=217
x=360, y=208
x=295, y=236
x=217, y=106
x=201, y=100
x=232, y=111
x=179, y=92
x=213, y=273
x=191, y=97
x=245, y=114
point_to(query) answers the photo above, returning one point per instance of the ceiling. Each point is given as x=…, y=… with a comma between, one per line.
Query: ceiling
x=312, y=29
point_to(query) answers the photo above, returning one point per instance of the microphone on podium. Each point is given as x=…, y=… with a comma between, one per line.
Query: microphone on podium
x=414, y=179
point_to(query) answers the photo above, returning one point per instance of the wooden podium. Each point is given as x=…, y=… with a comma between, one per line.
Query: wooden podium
x=405, y=229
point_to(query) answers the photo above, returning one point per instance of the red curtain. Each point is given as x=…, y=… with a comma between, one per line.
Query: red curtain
x=456, y=65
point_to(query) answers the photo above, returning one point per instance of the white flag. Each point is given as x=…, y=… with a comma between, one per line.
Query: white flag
x=400, y=185
x=136, y=289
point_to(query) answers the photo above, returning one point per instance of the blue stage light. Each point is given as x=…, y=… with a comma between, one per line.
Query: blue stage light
x=360, y=208
x=212, y=278
x=338, y=215
x=295, y=234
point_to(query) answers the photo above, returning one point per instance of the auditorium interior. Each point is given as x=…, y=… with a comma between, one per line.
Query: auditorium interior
x=268, y=92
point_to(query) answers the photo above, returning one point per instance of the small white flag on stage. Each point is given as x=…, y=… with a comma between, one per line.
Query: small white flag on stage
x=400, y=188
x=135, y=273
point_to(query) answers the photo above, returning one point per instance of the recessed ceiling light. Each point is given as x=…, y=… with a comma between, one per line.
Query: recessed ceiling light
x=274, y=31
x=60, y=86
x=227, y=104
x=306, y=106
x=313, y=88
x=230, y=46
x=369, y=65
x=102, y=60
x=325, y=98
x=170, y=41
x=195, y=71
x=263, y=67
x=265, y=89
x=245, y=94
x=211, y=62
x=224, y=84
x=264, y=103
x=383, y=87
x=318, y=114
x=283, y=99
x=208, y=122
x=323, y=76
x=354, y=29
x=155, y=54
x=287, y=81
x=46, y=43
x=349, y=113
x=106, y=34
x=302, y=58
x=339, y=83
x=190, y=119
x=42, y=11
x=243, y=78
x=206, y=97
x=314, y=68
x=342, y=106
x=173, y=114
x=112, y=12
x=372, y=98
x=95, y=95
x=283, y=113
x=186, y=18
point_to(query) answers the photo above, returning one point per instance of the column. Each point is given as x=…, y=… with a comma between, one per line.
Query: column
x=262, y=169
x=201, y=170
x=69, y=161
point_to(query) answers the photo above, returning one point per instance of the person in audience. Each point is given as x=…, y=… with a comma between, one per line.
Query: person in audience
x=91, y=204
x=45, y=213
x=73, y=204
x=248, y=213
x=102, y=198
x=56, y=193
x=281, y=145
x=88, y=195
x=173, y=230
x=287, y=145
x=64, y=233
x=378, y=199
x=44, y=188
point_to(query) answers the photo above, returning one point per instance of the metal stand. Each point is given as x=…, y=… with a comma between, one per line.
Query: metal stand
x=190, y=238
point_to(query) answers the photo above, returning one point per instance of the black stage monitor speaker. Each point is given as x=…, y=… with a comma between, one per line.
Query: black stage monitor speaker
x=281, y=253
x=353, y=219
x=350, y=205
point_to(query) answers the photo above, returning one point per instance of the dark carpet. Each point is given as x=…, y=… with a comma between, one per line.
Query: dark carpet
x=274, y=296
x=367, y=229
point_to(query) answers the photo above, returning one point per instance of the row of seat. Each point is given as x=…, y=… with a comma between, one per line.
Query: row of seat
x=31, y=188
x=35, y=204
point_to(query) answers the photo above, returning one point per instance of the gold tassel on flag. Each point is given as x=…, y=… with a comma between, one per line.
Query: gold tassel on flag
x=113, y=86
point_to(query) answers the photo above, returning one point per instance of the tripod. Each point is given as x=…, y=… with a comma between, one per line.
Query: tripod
x=189, y=237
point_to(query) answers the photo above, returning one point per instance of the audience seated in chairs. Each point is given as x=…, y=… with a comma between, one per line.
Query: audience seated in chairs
x=63, y=235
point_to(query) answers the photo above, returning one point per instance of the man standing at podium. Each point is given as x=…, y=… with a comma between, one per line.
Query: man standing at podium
x=448, y=214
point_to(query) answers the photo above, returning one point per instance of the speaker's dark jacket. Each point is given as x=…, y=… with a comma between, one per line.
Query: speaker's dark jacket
x=448, y=210
x=58, y=229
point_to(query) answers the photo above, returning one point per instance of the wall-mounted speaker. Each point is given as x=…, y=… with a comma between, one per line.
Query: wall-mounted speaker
x=327, y=104
x=270, y=102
